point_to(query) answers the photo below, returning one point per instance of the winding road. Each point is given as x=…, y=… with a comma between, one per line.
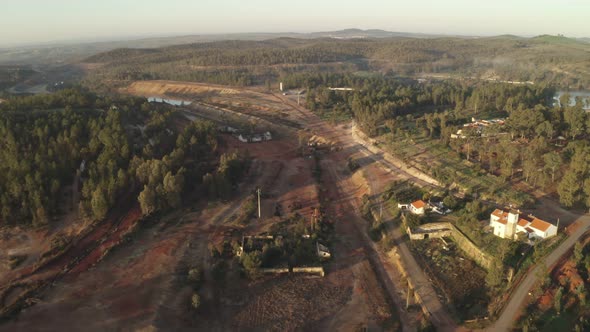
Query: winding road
x=519, y=295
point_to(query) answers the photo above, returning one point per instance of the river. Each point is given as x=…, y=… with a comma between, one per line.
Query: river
x=175, y=102
x=585, y=95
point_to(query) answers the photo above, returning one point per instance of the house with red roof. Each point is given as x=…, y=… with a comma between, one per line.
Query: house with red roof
x=418, y=207
x=509, y=223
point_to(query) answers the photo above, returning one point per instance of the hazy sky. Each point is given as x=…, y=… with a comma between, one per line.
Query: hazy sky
x=34, y=21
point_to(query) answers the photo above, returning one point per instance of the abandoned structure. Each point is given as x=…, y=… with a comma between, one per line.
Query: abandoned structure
x=255, y=138
x=508, y=224
x=323, y=251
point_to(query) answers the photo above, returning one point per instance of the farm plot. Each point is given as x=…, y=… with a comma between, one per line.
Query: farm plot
x=460, y=280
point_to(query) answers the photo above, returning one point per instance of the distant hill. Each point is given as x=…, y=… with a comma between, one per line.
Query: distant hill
x=245, y=58
x=58, y=53
x=544, y=59
x=372, y=33
x=559, y=39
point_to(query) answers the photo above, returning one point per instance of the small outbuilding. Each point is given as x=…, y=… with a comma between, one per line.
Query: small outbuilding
x=322, y=250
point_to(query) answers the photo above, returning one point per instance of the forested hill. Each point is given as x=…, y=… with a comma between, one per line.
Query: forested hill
x=544, y=59
x=127, y=146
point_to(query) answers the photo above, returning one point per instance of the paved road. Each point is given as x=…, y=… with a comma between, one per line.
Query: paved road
x=512, y=309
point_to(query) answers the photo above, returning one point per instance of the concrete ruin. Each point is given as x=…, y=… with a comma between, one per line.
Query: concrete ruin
x=446, y=229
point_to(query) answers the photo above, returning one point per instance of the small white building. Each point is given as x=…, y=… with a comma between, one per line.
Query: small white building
x=508, y=224
x=418, y=207
x=243, y=138
x=323, y=251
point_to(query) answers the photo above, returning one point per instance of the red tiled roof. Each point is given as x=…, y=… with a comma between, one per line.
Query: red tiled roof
x=502, y=216
x=418, y=204
x=540, y=224
x=528, y=229
x=523, y=222
x=499, y=213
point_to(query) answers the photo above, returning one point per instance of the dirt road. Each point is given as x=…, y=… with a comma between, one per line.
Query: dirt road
x=517, y=299
x=382, y=264
x=388, y=161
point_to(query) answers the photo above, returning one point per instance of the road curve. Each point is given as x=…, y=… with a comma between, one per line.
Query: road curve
x=512, y=309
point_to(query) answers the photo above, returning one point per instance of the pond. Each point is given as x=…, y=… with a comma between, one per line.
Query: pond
x=585, y=95
x=175, y=102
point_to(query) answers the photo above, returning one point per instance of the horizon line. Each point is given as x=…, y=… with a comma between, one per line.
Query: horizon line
x=134, y=38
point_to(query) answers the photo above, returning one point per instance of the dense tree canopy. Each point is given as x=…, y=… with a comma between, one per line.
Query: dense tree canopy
x=124, y=145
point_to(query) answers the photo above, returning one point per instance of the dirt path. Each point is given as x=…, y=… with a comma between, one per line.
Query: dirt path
x=344, y=208
x=383, y=265
x=390, y=162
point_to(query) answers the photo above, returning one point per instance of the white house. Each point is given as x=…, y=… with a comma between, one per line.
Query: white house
x=243, y=138
x=508, y=224
x=418, y=207
x=323, y=251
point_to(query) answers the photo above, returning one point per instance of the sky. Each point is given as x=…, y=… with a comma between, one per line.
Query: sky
x=46, y=21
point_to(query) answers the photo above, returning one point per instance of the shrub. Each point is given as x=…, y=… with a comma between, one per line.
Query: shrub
x=194, y=275
x=450, y=202
x=196, y=301
x=251, y=262
x=412, y=220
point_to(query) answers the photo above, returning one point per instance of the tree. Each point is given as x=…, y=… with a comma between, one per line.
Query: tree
x=194, y=275
x=581, y=291
x=470, y=136
x=147, y=200
x=545, y=129
x=390, y=124
x=587, y=192
x=173, y=188
x=196, y=301
x=578, y=253
x=529, y=168
x=508, y=158
x=579, y=162
x=558, y=299
x=552, y=161
x=575, y=119
x=569, y=188
x=99, y=204
x=450, y=202
x=251, y=262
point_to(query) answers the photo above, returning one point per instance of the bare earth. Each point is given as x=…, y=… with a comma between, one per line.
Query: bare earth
x=139, y=284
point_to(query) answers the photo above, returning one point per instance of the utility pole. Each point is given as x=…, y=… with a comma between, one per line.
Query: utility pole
x=258, y=191
x=314, y=219
x=408, y=296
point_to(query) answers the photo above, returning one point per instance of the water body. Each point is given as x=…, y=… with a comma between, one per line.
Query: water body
x=585, y=95
x=175, y=102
